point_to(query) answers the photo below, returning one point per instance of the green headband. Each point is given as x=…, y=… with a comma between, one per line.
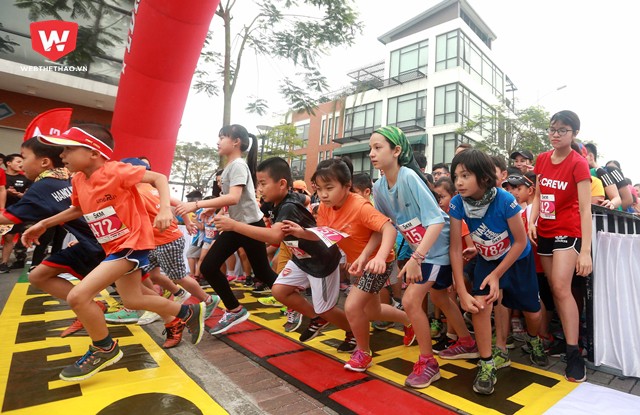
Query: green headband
x=397, y=137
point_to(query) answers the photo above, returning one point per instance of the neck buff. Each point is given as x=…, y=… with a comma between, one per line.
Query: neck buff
x=476, y=209
x=60, y=173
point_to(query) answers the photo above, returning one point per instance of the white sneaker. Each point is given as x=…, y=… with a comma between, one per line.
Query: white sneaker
x=182, y=298
x=148, y=317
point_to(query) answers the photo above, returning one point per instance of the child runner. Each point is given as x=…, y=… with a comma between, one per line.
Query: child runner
x=504, y=270
x=17, y=184
x=402, y=195
x=106, y=190
x=560, y=224
x=48, y=195
x=347, y=212
x=312, y=264
x=239, y=195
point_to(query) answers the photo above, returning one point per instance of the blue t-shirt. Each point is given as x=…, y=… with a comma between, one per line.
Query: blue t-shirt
x=48, y=197
x=491, y=234
x=412, y=208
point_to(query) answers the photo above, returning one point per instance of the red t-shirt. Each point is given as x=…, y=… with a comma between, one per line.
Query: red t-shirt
x=151, y=200
x=3, y=177
x=559, y=214
x=113, y=207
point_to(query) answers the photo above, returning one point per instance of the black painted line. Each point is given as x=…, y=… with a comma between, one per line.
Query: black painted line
x=288, y=352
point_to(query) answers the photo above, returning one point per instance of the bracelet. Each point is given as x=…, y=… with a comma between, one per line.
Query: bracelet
x=418, y=257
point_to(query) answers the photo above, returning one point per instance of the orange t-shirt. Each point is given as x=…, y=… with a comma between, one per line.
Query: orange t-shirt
x=151, y=200
x=357, y=218
x=113, y=207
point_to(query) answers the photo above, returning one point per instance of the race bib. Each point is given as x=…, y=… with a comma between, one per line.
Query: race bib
x=296, y=251
x=328, y=235
x=413, y=232
x=548, y=206
x=494, y=248
x=106, y=225
x=210, y=232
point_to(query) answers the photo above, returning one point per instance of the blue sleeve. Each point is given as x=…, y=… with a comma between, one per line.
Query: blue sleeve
x=511, y=206
x=456, y=210
x=430, y=213
x=379, y=200
x=31, y=207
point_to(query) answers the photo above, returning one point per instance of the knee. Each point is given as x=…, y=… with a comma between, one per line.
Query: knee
x=76, y=298
x=280, y=292
x=36, y=278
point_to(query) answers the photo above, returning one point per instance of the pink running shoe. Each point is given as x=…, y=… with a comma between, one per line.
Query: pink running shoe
x=458, y=351
x=359, y=361
x=425, y=372
x=409, y=336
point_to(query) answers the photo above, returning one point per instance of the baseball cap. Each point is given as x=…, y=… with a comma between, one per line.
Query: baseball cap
x=134, y=161
x=300, y=185
x=77, y=137
x=517, y=180
x=524, y=153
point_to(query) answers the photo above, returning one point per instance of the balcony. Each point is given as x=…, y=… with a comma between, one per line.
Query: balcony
x=356, y=135
x=411, y=126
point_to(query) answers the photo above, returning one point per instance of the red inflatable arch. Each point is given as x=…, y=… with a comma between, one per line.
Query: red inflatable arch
x=163, y=46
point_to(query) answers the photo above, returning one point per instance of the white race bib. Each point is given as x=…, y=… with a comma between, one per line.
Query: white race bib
x=296, y=251
x=494, y=248
x=548, y=206
x=106, y=225
x=413, y=232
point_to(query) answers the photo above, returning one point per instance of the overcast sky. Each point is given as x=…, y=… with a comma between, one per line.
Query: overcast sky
x=589, y=46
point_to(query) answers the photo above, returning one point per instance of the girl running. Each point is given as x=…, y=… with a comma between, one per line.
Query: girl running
x=560, y=224
x=238, y=194
x=367, y=228
x=402, y=195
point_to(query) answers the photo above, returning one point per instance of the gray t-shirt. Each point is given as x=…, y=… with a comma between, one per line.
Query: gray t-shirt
x=237, y=174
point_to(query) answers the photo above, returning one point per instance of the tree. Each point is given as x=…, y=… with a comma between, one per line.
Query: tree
x=194, y=166
x=280, y=141
x=506, y=131
x=279, y=31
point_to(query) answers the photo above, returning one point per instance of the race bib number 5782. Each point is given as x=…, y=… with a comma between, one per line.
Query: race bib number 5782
x=106, y=225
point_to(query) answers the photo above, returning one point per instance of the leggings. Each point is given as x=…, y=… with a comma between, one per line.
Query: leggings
x=226, y=244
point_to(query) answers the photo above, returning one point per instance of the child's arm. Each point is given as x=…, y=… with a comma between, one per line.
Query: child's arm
x=273, y=235
x=3, y=197
x=516, y=226
x=413, y=268
x=230, y=199
x=533, y=219
x=6, y=221
x=467, y=301
x=159, y=181
x=584, y=264
x=292, y=228
x=378, y=264
x=32, y=234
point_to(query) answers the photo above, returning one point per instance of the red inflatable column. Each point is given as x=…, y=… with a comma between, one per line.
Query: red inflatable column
x=163, y=46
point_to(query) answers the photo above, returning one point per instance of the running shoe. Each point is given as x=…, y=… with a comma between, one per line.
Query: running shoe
x=211, y=307
x=409, y=335
x=517, y=329
x=425, y=372
x=261, y=288
x=148, y=317
x=537, y=356
x=122, y=316
x=294, y=320
x=249, y=281
x=382, y=325
x=459, y=351
x=437, y=328
x=91, y=363
x=575, y=371
x=486, y=378
x=195, y=321
x=359, y=361
x=348, y=345
x=173, y=331
x=442, y=343
x=315, y=326
x=269, y=301
x=231, y=278
x=500, y=358
x=229, y=320
x=182, y=297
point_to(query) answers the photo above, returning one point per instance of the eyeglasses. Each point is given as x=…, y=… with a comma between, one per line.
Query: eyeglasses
x=561, y=131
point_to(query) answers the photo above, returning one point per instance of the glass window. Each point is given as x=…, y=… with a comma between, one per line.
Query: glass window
x=408, y=59
x=361, y=120
x=298, y=166
x=445, y=105
x=407, y=107
x=323, y=131
x=303, y=134
x=444, y=146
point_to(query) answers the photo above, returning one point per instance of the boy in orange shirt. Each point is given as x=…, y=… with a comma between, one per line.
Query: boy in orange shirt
x=106, y=191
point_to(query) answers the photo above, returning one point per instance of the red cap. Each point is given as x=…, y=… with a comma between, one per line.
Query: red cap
x=77, y=137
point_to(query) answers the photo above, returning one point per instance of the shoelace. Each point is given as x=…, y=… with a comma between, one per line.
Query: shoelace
x=485, y=372
x=359, y=356
x=419, y=367
x=291, y=316
x=85, y=357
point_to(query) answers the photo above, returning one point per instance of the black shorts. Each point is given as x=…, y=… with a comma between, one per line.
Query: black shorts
x=546, y=246
x=545, y=292
x=76, y=260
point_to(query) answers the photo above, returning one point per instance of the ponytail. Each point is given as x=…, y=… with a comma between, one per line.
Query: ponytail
x=248, y=142
x=252, y=157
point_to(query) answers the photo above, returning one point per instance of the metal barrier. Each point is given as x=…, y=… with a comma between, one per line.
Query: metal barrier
x=612, y=221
